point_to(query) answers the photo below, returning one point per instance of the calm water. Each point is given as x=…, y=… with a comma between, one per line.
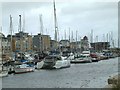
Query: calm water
x=87, y=75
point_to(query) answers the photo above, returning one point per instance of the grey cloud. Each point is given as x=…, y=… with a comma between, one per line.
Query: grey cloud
x=99, y=16
x=25, y=5
x=78, y=8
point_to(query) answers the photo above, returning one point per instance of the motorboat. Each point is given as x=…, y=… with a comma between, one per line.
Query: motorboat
x=39, y=64
x=64, y=57
x=102, y=56
x=54, y=61
x=62, y=63
x=9, y=66
x=95, y=57
x=83, y=58
x=3, y=73
x=71, y=56
x=24, y=68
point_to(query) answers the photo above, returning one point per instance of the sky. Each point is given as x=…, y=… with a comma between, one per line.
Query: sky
x=80, y=16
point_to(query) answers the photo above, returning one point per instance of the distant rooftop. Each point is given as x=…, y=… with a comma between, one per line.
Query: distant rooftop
x=85, y=38
x=64, y=40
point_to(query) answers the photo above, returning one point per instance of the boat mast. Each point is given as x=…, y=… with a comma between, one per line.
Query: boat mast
x=103, y=41
x=69, y=34
x=118, y=39
x=23, y=29
x=80, y=44
x=72, y=36
x=107, y=39
x=41, y=25
x=76, y=35
x=58, y=36
x=32, y=42
x=76, y=40
x=72, y=41
x=96, y=47
x=47, y=32
x=91, y=36
x=65, y=34
x=112, y=40
x=19, y=24
x=11, y=28
x=55, y=21
x=20, y=31
x=41, y=46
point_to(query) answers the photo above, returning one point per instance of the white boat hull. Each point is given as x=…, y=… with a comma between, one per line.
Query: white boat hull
x=40, y=65
x=3, y=73
x=23, y=70
x=81, y=60
x=78, y=61
x=57, y=62
x=62, y=64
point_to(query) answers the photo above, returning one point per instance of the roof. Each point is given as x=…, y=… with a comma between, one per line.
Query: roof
x=64, y=40
x=85, y=38
x=2, y=35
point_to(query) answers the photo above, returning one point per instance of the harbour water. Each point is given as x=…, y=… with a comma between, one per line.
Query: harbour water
x=84, y=75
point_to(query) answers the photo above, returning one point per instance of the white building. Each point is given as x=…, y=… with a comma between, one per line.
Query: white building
x=85, y=43
x=65, y=43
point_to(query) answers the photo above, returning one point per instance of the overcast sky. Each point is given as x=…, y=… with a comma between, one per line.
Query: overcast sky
x=102, y=17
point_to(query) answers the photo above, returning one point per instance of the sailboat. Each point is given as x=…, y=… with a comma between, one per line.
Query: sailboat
x=23, y=67
x=54, y=61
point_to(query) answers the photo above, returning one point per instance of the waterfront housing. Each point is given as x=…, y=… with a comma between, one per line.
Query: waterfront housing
x=6, y=45
x=75, y=46
x=64, y=45
x=54, y=45
x=100, y=46
x=1, y=48
x=21, y=42
x=79, y=46
x=85, y=43
x=5, y=48
x=41, y=43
